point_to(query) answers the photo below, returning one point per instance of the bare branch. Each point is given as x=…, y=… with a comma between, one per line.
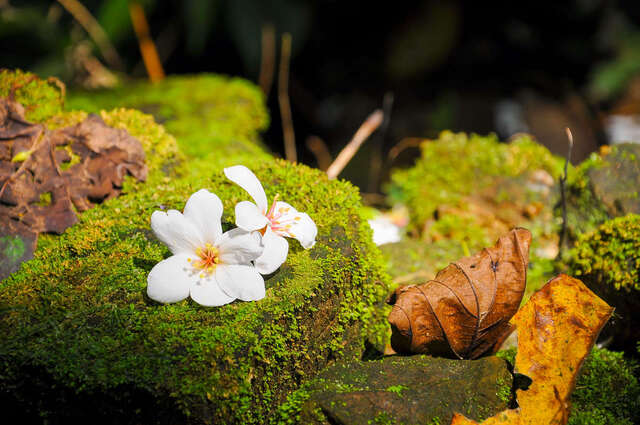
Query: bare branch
x=147, y=46
x=95, y=31
x=283, y=100
x=372, y=122
x=268, y=59
x=320, y=150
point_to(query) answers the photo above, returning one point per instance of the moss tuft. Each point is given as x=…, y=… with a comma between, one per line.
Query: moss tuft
x=206, y=113
x=41, y=99
x=609, y=255
x=465, y=191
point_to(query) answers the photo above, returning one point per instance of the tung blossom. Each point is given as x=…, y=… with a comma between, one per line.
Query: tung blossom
x=212, y=267
x=275, y=223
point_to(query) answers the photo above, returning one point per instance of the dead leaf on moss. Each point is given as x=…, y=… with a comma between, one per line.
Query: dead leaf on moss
x=46, y=176
x=556, y=331
x=464, y=312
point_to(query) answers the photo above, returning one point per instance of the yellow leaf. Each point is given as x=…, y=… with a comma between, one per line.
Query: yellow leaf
x=556, y=331
x=21, y=156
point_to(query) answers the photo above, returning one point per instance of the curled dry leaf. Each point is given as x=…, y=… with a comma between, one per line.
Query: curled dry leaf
x=45, y=174
x=464, y=312
x=556, y=331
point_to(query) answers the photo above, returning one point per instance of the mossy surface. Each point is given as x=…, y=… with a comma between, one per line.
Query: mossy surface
x=603, y=186
x=465, y=191
x=402, y=390
x=79, y=338
x=41, y=99
x=206, y=113
x=607, y=390
x=609, y=255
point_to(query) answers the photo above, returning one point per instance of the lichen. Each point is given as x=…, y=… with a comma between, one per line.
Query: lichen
x=77, y=317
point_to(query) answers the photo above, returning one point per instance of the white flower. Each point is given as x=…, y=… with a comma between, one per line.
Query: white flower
x=274, y=223
x=214, y=268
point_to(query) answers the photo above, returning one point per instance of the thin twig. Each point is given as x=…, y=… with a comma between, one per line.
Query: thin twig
x=379, y=142
x=267, y=59
x=320, y=150
x=406, y=143
x=147, y=46
x=563, y=198
x=95, y=31
x=283, y=100
x=372, y=122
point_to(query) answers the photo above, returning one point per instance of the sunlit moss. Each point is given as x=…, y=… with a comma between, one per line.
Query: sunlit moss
x=40, y=98
x=77, y=315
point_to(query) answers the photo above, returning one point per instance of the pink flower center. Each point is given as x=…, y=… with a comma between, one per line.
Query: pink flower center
x=280, y=219
x=209, y=258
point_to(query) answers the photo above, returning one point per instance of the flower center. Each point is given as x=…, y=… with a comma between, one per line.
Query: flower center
x=280, y=219
x=209, y=258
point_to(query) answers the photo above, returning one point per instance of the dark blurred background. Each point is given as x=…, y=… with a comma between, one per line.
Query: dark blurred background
x=503, y=67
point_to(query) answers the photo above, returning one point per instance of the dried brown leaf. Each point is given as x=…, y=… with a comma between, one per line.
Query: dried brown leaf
x=45, y=176
x=464, y=312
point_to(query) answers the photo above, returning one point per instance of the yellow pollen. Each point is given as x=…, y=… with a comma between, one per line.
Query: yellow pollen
x=297, y=219
x=209, y=259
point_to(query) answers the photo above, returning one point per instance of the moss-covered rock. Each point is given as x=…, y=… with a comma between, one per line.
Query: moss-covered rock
x=402, y=390
x=607, y=259
x=607, y=391
x=465, y=191
x=604, y=186
x=204, y=112
x=79, y=338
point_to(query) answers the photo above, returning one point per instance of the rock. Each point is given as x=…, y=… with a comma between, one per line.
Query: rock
x=607, y=260
x=465, y=191
x=604, y=186
x=80, y=341
x=407, y=390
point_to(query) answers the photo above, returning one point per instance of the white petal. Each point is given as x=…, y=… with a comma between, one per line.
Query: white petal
x=207, y=292
x=289, y=222
x=275, y=253
x=170, y=280
x=204, y=209
x=238, y=246
x=176, y=231
x=242, y=282
x=249, y=217
x=244, y=177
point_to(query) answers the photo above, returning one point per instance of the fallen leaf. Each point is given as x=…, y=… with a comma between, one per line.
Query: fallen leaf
x=464, y=312
x=556, y=331
x=45, y=176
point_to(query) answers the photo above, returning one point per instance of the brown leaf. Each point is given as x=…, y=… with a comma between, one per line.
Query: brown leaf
x=46, y=175
x=556, y=331
x=464, y=312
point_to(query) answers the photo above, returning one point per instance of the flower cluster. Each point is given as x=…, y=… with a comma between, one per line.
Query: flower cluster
x=215, y=268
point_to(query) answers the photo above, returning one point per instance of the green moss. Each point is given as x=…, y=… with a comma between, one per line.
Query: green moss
x=456, y=165
x=76, y=318
x=584, y=211
x=397, y=389
x=87, y=289
x=465, y=191
x=607, y=390
x=610, y=255
x=40, y=98
x=206, y=113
